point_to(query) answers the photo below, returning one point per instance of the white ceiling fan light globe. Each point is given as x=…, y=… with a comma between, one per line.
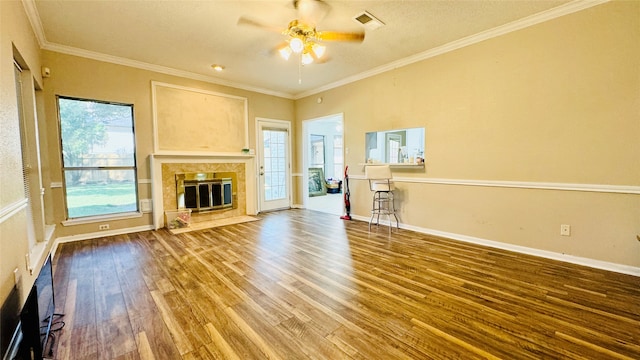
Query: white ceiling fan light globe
x=318, y=50
x=306, y=59
x=296, y=45
x=285, y=52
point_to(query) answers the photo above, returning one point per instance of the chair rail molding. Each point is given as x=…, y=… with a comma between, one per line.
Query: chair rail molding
x=602, y=188
x=13, y=208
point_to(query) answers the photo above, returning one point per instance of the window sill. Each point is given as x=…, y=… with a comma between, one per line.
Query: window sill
x=101, y=218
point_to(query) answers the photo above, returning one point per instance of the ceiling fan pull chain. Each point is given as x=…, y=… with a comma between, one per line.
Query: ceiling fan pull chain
x=300, y=70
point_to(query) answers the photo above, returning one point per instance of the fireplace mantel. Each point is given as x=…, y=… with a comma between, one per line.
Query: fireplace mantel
x=157, y=160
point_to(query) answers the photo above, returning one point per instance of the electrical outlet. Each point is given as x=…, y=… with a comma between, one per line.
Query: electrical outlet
x=17, y=276
x=565, y=230
x=146, y=206
x=27, y=259
x=103, y=227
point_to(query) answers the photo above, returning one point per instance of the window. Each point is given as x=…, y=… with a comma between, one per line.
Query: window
x=98, y=157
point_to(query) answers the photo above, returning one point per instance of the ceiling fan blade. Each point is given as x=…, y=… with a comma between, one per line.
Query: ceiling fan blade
x=243, y=20
x=311, y=12
x=339, y=36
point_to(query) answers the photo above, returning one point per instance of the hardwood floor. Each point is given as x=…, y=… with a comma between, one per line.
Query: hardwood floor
x=301, y=284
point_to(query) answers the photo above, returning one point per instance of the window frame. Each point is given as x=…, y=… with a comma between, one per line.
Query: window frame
x=64, y=169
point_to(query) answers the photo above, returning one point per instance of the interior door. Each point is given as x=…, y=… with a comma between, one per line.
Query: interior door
x=274, y=164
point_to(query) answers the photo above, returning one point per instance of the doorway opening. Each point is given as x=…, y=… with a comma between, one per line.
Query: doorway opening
x=274, y=164
x=323, y=164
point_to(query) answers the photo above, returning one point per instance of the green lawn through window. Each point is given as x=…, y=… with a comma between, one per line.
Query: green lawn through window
x=100, y=199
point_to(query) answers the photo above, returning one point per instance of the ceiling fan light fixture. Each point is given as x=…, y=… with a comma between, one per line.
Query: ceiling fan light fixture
x=306, y=59
x=285, y=52
x=318, y=50
x=296, y=45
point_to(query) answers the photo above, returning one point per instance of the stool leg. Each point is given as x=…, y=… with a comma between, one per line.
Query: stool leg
x=373, y=209
x=393, y=212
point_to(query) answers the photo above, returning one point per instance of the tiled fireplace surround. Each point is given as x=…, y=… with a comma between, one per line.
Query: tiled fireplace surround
x=164, y=168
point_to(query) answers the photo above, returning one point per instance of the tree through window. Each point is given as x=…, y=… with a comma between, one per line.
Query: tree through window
x=98, y=157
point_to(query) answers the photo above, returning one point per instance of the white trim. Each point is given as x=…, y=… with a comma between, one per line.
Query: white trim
x=601, y=188
x=101, y=218
x=55, y=185
x=35, y=21
x=229, y=155
x=49, y=230
x=596, y=264
x=306, y=135
x=535, y=19
x=562, y=10
x=155, y=84
x=11, y=209
x=279, y=124
x=37, y=255
x=94, y=235
x=144, y=181
x=156, y=161
x=297, y=174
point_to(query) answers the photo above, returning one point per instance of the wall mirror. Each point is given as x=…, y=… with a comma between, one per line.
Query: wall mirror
x=402, y=146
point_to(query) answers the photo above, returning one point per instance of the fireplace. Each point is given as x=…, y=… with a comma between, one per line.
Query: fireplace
x=239, y=167
x=204, y=191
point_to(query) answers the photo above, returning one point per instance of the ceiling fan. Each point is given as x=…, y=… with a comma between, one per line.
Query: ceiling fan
x=303, y=38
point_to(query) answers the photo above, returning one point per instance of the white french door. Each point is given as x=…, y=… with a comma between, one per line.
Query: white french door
x=274, y=168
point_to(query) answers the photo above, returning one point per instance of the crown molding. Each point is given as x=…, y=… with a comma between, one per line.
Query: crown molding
x=535, y=19
x=157, y=68
x=36, y=25
x=34, y=19
x=562, y=10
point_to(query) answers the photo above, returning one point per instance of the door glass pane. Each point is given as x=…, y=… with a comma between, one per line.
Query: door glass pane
x=274, y=164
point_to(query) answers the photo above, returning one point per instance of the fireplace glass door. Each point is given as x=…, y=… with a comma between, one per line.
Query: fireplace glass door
x=204, y=191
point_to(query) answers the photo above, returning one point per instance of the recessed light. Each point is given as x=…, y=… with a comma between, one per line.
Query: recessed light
x=217, y=67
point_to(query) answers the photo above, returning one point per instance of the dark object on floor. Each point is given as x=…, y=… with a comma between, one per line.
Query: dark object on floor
x=334, y=186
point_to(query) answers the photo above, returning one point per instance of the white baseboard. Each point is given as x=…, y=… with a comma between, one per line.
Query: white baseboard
x=596, y=264
x=93, y=235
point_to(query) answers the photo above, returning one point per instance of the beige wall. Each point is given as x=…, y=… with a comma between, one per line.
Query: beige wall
x=16, y=38
x=85, y=78
x=554, y=103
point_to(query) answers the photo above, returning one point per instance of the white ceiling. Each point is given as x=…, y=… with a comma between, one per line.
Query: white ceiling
x=187, y=37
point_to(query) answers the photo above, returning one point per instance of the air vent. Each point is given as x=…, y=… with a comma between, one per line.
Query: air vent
x=368, y=21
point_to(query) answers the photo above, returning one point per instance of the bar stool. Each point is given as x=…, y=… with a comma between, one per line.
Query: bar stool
x=380, y=183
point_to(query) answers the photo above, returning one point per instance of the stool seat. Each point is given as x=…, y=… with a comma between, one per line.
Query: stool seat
x=380, y=183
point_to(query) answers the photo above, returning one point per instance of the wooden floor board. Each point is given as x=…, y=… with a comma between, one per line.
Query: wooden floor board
x=300, y=284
